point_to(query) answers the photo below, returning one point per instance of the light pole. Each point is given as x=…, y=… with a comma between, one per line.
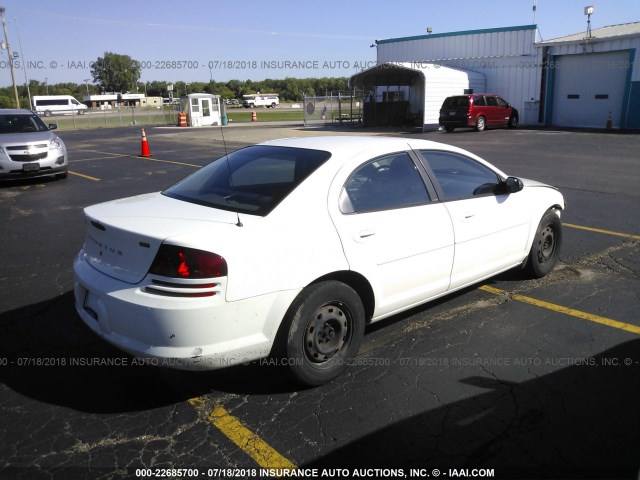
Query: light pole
x=86, y=82
x=588, y=11
x=6, y=41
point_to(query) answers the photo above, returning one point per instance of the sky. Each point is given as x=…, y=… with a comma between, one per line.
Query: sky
x=221, y=40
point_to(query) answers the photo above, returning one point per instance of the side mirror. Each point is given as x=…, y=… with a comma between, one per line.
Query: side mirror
x=53, y=126
x=513, y=185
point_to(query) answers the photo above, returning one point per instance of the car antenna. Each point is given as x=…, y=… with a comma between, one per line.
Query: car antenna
x=226, y=156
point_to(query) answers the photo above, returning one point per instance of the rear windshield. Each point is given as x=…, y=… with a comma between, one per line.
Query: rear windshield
x=253, y=180
x=456, y=102
x=21, y=123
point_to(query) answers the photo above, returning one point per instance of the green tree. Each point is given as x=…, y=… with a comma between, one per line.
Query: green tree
x=115, y=72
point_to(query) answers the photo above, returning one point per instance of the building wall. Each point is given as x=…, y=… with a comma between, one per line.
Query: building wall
x=629, y=116
x=505, y=56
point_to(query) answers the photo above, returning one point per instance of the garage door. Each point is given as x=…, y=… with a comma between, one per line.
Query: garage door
x=588, y=87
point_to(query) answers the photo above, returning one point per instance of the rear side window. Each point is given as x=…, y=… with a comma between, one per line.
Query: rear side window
x=479, y=101
x=384, y=183
x=253, y=180
x=492, y=102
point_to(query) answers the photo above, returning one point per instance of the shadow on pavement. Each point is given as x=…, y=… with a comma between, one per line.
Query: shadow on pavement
x=52, y=357
x=582, y=421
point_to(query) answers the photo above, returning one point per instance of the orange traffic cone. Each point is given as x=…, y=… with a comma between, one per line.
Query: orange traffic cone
x=144, y=151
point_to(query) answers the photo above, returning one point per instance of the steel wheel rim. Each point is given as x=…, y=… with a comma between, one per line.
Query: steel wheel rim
x=327, y=332
x=480, y=123
x=546, y=244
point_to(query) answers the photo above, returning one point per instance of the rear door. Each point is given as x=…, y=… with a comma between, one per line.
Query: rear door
x=393, y=234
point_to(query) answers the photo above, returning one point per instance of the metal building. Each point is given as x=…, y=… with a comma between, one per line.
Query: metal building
x=593, y=80
x=507, y=58
x=590, y=79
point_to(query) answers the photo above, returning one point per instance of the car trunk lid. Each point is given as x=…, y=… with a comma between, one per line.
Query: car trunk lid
x=123, y=236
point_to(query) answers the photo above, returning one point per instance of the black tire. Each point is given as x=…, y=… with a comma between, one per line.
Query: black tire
x=62, y=176
x=545, y=249
x=449, y=129
x=47, y=113
x=481, y=124
x=326, y=326
x=513, y=121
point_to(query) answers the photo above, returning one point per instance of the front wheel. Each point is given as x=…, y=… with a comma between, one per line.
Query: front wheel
x=546, y=246
x=326, y=326
x=513, y=121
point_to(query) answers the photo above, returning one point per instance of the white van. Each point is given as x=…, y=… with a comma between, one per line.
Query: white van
x=57, y=105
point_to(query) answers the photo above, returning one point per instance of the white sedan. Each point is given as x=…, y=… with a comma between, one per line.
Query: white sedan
x=290, y=247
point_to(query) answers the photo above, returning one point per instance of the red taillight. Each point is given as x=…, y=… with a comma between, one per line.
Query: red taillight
x=181, y=262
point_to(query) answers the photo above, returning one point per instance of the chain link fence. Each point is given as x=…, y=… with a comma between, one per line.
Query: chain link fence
x=116, y=117
x=332, y=109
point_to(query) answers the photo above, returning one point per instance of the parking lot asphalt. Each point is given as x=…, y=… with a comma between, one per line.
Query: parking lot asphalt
x=512, y=378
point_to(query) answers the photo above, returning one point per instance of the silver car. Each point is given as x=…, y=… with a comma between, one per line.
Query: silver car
x=28, y=148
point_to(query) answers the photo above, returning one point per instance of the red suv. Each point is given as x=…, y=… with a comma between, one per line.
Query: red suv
x=479, y=111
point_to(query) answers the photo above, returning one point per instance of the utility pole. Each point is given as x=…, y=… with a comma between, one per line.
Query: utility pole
x=6, y=41
x=24, y=63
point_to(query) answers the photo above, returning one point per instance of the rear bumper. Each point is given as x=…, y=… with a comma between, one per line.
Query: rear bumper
x=455, y=122
x=182, y=333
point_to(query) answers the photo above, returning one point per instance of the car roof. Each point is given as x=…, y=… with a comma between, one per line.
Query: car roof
x=474, y=94
x=351, y=143
x=15, y=111
x=346, y=146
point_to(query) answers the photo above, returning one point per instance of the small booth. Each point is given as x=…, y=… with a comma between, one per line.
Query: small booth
x=201, y=109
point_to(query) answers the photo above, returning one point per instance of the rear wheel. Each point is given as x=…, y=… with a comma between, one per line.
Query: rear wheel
x=326, y=326
x=47, y=113
x=449, y=129
x=480, y=124
x=546, y=246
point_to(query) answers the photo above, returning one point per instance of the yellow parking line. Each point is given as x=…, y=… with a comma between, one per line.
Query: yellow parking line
x=90, y=159
x=145, y=158
x=84, y=176
x=250, y=443
x=567, y=311
x=600, y=230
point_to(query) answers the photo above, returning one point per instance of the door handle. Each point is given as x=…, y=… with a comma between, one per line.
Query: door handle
x=366, y=233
